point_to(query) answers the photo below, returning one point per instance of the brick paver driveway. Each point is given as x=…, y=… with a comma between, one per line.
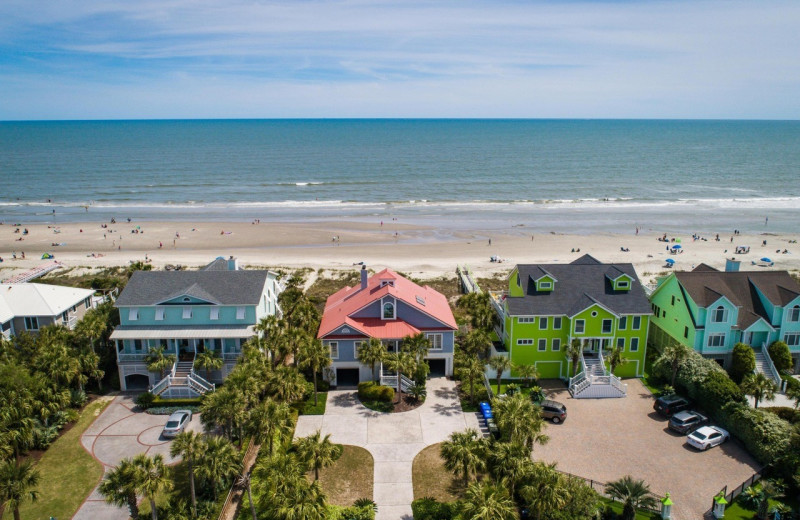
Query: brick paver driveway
x=605, y=439
x=392, y=439
x=117, y=433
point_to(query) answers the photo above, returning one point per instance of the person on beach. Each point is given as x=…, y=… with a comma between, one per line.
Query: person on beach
x=160, y=244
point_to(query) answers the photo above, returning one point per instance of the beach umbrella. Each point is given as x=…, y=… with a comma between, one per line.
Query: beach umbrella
x=765, y=259
x=670, y=261
x=676, y=246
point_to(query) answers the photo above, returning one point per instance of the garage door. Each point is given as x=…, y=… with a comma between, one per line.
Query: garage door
x=346, y=377
x=438, y=367
x=137, y=382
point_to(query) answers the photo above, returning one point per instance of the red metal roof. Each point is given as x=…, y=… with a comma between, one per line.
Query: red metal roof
x=347, y=301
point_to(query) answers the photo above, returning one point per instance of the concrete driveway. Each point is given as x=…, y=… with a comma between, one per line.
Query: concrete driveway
x=605, y=439
x=392, y=439
x=120, y=432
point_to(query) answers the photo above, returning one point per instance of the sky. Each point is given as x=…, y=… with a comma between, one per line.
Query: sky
x=161, y=59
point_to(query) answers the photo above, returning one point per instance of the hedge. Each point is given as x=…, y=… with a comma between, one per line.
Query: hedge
x=148, y=400
x=765, y=435
x=167, y=410
x=370, y=391
x=430, y=509
x=780, y=355
x=743, y=361
x=784, y=412
x=791, y=382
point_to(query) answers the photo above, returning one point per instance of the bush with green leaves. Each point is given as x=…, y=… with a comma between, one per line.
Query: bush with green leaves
x=370, y=391
x=781, y=356
x=743, y=362
x=765, y=435
x=431, y=509
x=784, y=412
x=717, y=390
x=145, y=400
x=167, y=410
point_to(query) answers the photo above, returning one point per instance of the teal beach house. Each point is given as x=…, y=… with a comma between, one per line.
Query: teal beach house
x=188, y=313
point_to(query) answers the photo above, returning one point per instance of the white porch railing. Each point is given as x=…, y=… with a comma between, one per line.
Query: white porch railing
x=158, y=388
x=131, y=357
x=390, y=379
x=602, y=361
x=198, y=383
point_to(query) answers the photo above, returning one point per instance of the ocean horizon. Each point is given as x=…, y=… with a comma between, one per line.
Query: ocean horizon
x=580, y=176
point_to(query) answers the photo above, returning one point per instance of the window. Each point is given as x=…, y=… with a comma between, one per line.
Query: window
x=334, y=346
x=357, y=345
x=31, y=322
x=594, y=314
x=384, y=283
x=556, y=344
x=525, y=320
x=663, y=314
x=133, y=314
x=187, y=313
x=792, y=339
x=673, y=300
x=794, y=313
x=719, y=315
x=716, y=340
x=622, y=284
x=524, y=342
x=623, y=323
x=87, y=302
x=436, y=341
x=542, y=344
x=137, y=345
x=519, y=283
x=686, y=332
x=637, y=322
x=213, y=314
x=218, y=344
x=606, y=326
x=542, y=323
x=545, y=285
x=579, y=326
x=621, y=343
x=557, y=323
x=388, y=311
x=239, y=313
x=160, y=313
x=420, y=300
x=634, y=344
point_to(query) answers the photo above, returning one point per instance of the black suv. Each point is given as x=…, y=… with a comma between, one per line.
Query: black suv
x=553, y=410
x=670, y=405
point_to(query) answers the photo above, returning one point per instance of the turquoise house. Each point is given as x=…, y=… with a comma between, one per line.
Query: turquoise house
x=189, y=312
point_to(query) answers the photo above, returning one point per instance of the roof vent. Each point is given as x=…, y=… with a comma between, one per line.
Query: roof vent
x=421, y=300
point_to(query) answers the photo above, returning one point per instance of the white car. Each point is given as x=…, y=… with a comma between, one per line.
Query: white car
x=176, y=423
x=707, y=437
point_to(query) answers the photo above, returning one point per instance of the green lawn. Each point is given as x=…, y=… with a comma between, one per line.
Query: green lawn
x=309, y=408
x=738, y=511
x=68, y=472
x=431, y=479
x=652, y=383
x=616, y=507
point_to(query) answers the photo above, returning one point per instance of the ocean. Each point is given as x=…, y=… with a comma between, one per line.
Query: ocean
x=580, y=176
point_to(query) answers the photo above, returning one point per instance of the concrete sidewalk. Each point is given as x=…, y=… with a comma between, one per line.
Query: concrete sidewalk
x=392, y=439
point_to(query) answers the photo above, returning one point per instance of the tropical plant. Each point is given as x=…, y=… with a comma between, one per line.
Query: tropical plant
x=509, y=463
x=793, y=392
x=270, y=419
x=418, y=345
x=401, y=362
x=759, y=387
x=573, y=352
x=633, y=493
x=476, y=343
x=544, y=491
x=519, y=420
x=119, y=487
x=208, y=360
x=371, y=353
x=224, y=409
x=190, y=446
x=92, y=326
x=464, y=454
x=743, y=362
x=674, y=354
x=471, y=370
x=488, y=502
x=18, y=485
x=317, y=452
x=527, y=372
x=303, y=502
x=286, y=384
x=759, y=496
x=499, y=364
x=417, y=392
x=218, y=463
x=314, y=356
x=151, y=479
x=158, y=361
x=479, y=307
x=615, y=359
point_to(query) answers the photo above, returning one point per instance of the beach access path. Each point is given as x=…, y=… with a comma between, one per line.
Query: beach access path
x=392, y=439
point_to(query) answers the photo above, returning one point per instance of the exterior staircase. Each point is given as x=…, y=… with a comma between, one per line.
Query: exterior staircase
x=182, y=382
x=595, y=366
x=594, y=381
x=765, y=366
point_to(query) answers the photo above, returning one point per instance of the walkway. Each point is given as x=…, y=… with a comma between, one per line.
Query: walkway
x=392, y=439
x=120, y=432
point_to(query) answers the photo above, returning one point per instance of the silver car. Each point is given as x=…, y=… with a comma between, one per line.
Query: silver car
x=176, y=423
x=707, y=437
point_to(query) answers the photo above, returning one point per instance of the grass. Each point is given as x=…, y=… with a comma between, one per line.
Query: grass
x=739, y=511
x=68, y=472
x=309, y=408
x=652, y=383
x=431, y=479
x=379, y=406
x=616, y=507
x=350, y=478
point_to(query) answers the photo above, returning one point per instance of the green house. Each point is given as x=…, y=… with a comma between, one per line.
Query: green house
x=547, y=306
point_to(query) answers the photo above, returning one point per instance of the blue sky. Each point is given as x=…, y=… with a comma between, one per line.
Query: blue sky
x=113, y=59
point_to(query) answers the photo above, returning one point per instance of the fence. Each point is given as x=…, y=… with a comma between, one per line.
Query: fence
x=738, y=490
x=600, y=488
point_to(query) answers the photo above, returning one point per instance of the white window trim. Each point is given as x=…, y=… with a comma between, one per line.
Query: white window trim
x=394, y=309
x=559, y=322
x=716, y=335
x=622, y=346
x=795, y=336
x=432, y=338
x=543, y=318
x=187, y=313
x=724, y=314
x=526, y=319
x=241, y=313
x=357, y=345
x=331, y=346
x=610, y=326
x=634, y=346
x=623, y=323
x=160, y=313
x=524, y=341
x=133, y=314
x=31, y=320
x=213, y=313
x=542, y=345
x=790, y=317
x=623, y=284
x=555, y=345
x=636, y=323
x=545, y=285
x=583, y=327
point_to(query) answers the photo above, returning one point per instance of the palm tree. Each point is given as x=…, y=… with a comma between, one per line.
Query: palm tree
x=223, y=408
x=675, y=354
x=318, y=452
x=545, y=490
x=526, y=372
x=314, y=356
x=286, y=384
x=152, y=478
x=793, y=392
x=268, y=420
x=303, y=502
x=509, y=463
x=464, y=454
x=479, y=307
x=573, y=352
x=208, y=360
x=471, y=370
x=17, y=485
x=633, y=493
x=488, y=502
x=218, y=463
x=91, y=326
x=272, y=329
x=615, y=359
x=371, y=353
x=519, y=420
x=190, y=446
x=119, y=487
x=476, y=343
x=401, y=362
x=500, y=364
x=418, y=345
x=158, y=361
x=759, y=387
x=759, y=496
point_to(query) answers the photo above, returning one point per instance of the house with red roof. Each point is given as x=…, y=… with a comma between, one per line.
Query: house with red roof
x=389, y=307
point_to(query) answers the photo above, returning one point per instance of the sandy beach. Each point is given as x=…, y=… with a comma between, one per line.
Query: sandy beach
x=420, y=251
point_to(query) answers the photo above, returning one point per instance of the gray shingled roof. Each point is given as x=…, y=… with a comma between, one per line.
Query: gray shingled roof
x=220, y=287
x=581, y=284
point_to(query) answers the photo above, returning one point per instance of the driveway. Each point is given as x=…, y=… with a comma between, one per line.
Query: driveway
x=120, y=432
x=392, y=439
x=605, y=439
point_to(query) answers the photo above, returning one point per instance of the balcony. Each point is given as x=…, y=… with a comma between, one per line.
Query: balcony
x=130, y=358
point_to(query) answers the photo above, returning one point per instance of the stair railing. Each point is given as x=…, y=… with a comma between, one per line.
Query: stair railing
x=773, y=372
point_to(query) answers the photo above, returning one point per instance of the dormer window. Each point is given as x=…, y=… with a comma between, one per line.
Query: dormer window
x=388, y=311
x=545, y=285
x=623, y=284
x=387, y=282
x=719, y=315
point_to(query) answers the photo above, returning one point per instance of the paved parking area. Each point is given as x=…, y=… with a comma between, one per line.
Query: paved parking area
x=117, y=433
x=392, y=439
x=605, y=439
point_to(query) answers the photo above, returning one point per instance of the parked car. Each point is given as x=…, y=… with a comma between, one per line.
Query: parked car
x=686, y=421
x=707, y=437
x=553, y=410
x=176, y=423
x=669, y=405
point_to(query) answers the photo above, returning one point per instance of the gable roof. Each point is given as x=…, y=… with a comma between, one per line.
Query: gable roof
x=36, y=299
x=219, y=287
x=582, y=283
x=348, y=300
x=739, y=287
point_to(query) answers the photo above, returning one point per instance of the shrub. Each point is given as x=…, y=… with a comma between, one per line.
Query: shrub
x=765, y=435
x=718, y=390
x=743, y=362
x=77, y=398
x=780, y=355
x=430, y=509
x=370, y=391
x=145, y=400
x=167, y=410
x=791, y=382
x=784, y=412
x=185, y=402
